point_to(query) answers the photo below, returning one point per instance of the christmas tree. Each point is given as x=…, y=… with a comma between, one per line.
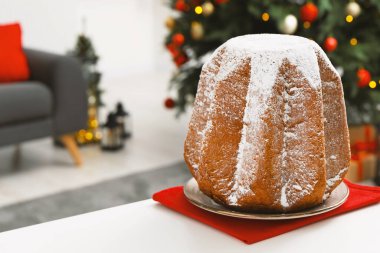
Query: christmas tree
x=85, y=52
x=348, y=31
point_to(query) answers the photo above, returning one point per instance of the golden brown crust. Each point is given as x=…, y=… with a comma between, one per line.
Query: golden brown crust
x=304, y=162
x=219, y=155
x=199, y=118
x=335, y=125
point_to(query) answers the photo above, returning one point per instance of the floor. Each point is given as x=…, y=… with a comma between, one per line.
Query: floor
x=157, y=141
x=106, y=194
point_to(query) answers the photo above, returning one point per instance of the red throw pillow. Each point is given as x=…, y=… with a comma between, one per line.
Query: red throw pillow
x=13, y=62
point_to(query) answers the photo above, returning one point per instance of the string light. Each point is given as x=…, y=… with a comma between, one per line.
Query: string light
x=306, y=25
x=198, y=10
x=353, y=42
x=265, y=17
x=349, y=18
x=372, y=84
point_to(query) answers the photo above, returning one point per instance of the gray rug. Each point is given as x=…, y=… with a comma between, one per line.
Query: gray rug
x=106, y=194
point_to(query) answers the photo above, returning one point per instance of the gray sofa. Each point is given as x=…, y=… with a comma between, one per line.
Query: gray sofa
x=52, y=103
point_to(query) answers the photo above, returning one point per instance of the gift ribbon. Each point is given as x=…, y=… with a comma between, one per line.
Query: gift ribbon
x=360, y=146
x=368, y=145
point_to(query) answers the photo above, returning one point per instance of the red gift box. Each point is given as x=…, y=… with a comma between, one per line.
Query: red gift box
x=363, y=149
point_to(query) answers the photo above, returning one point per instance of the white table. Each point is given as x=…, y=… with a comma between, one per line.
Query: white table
x=149, y=227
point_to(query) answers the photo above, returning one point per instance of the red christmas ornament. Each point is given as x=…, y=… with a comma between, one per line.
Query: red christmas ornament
x=221, y=1
x=364, y=77
x=180, y=60
x=169, y=103
x=180, y=5
x=330, y=44
x=178, y=39
x=309, y=12
x=173, y=49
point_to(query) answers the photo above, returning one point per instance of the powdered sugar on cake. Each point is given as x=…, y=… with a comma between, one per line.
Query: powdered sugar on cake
x=331, y=181
x=266, y=59
x=211, y=74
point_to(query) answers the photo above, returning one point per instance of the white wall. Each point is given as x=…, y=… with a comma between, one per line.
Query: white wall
x=127, y=34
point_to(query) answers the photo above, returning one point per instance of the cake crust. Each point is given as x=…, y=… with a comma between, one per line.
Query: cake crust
x=268, y=131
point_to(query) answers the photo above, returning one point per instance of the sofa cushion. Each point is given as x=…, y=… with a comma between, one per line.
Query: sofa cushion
x=13, y=62
x=24, y=101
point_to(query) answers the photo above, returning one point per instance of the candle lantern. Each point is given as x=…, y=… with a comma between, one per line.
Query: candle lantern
x=123, y=118
x=111, y=134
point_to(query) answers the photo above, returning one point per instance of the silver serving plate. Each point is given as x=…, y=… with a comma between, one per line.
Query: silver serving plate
x=196, y=197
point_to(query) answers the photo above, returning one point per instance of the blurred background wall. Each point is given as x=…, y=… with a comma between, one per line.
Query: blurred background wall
x=127, y=34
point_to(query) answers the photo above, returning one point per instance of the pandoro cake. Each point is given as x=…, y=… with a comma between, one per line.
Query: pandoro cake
x=268, y=130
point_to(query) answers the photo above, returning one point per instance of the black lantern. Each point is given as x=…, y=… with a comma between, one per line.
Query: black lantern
x=123, y=118
x=111, y=134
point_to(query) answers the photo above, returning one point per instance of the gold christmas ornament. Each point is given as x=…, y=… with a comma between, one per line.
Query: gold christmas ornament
x=170, y=23
x=197, y=30
x=98, y=136
x=353, y=42
x=372, y=84
x=198, y=10
x=265, y=16
x=349, y=18
x=288, y=25
x=208, y=9
x=89, y=136
x=353, y=9
x=91, y=133
x=80, y=136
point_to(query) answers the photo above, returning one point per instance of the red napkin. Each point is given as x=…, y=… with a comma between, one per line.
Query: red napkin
x=251, y=231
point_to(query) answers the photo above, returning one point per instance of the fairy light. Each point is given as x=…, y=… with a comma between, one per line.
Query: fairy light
x=372, y=84
x=306, y=25
x=198, y=10
x=349, y=18
x=265, y=17
x=353, y=42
